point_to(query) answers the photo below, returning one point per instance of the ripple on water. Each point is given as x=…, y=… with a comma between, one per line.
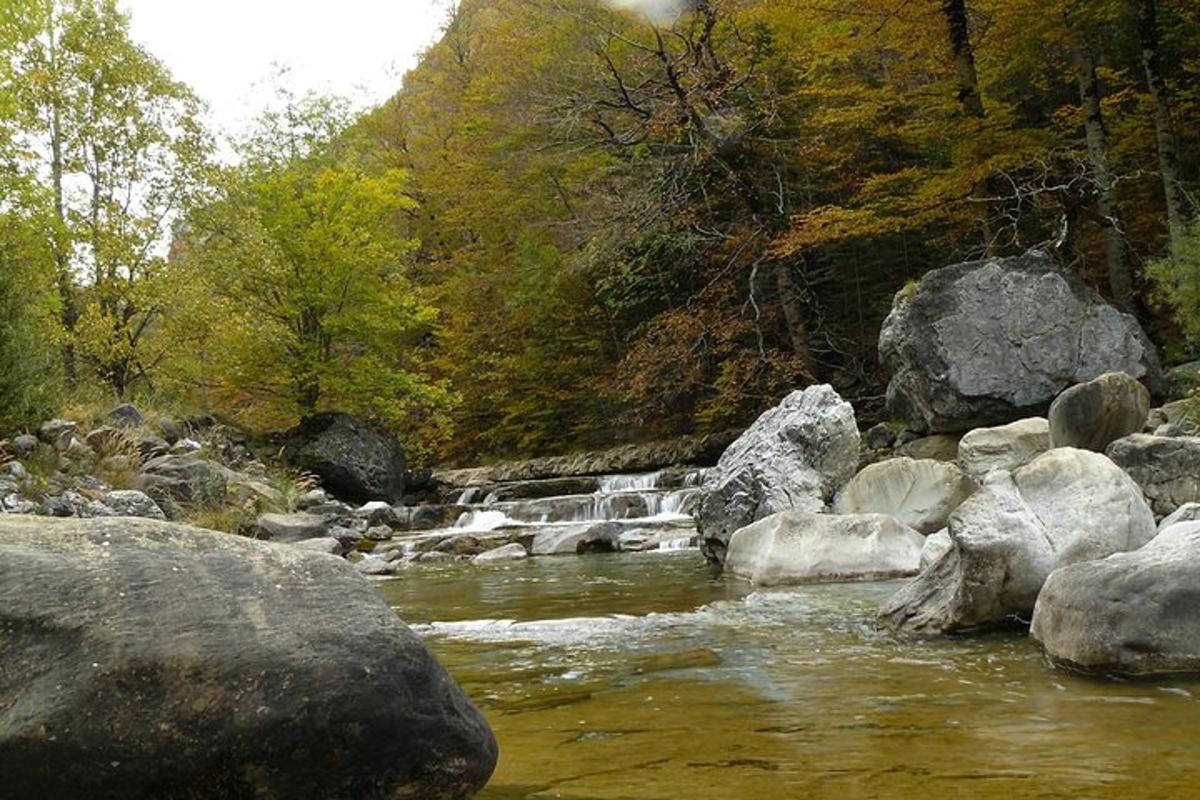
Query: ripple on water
x=618, y=678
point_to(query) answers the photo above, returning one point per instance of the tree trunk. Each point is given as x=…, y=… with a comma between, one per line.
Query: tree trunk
x=789, y=301
x=63, y=278
x=965, y=74
x=1164, y=128
x=1120, y=278
x=966, y=77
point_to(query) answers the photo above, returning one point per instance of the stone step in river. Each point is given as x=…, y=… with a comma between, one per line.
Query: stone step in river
x=640, y=511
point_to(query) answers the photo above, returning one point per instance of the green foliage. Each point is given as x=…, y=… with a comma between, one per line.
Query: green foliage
x=1177, y=278
x=296, y=271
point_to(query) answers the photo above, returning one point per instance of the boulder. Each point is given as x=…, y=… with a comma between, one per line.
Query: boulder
x=1004, y=447
x=356, y=460
x=1065, y=506
x=1183, y=381
x=879, y=437
x=1131, y=613
x=125, y=416
x=327, y=545
x=1166, y=467
x=1093, y=415
x=793, y=458
x=513, y=551
x=576, y=539
x=1188, y=512
x=147, y=660
x=24, y=444
x=53, y=430
x=1179, y=418
x=936, y=545
x=425, y=518
x=988, y=342
x=939, y=447
x=801, y=546
x=132, y=503
x=14, y=470
x=290, y=528
x=920, y=494
x=186, y=479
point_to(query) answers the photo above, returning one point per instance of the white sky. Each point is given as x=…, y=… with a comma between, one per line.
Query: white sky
x=225, y=49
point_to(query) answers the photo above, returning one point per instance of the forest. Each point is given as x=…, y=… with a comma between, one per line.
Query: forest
x=577, y=224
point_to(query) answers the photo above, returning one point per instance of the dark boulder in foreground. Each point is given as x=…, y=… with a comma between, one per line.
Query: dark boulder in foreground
x=355, y=459
x=1131, y=613
x=143, y=659
x=988, y=342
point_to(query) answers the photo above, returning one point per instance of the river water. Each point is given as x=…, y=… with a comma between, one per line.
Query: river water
x=644, y=676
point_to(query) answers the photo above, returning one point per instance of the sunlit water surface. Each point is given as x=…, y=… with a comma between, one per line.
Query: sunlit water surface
x=644, y=676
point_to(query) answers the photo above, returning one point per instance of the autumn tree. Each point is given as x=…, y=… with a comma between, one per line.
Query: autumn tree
x=299, y=270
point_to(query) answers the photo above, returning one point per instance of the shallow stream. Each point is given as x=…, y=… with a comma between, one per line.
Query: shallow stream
x=646, y=677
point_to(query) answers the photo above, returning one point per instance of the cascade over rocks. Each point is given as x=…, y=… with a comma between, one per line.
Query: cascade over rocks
x=1092, y=415
x=1132, y=613
x=1166, y=467
x=800, y=546
x=356, y=460
x=987, y=342
x=793, y=458
x=1064, y=506
x=920, y=494
x=142, y=660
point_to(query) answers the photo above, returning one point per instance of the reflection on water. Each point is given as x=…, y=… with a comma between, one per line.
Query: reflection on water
x=644, y=676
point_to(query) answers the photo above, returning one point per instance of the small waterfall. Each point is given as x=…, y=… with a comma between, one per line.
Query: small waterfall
x=482, y=520
x=659, y=502
x=630, y=483
x=681, y=542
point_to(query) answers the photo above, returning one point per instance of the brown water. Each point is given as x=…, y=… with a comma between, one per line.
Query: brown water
x=643, y=676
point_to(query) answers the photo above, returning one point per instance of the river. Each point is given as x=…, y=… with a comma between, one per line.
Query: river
x=623, y=676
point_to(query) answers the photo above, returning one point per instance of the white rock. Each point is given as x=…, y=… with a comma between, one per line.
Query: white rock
x=1065, y=506
x=920, y=494
x=793, y=458
x=509, y=552
x=936, y=545
x=798, y=546
x=1003, y=447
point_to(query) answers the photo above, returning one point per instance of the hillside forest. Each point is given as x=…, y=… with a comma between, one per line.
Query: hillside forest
x=575, y=224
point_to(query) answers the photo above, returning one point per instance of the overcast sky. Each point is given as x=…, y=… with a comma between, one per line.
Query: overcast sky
x=225, y=48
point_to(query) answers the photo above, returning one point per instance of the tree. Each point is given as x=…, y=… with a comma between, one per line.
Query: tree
x=1164, y=125
x=122, y=148
x=302, y=265
x=29, y=382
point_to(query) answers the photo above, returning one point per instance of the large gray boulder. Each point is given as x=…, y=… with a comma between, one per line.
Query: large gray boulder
x=1166, y=467
x=144, y=660
x=1093, y=415
x=291, y=528
x=987, y=342
x=1065, y=506
x=802, y=547
x=356, y=460
x=920, y=494
x=793, y=458
x=1131, y=613
x=1003, y=447
x=186, y=479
